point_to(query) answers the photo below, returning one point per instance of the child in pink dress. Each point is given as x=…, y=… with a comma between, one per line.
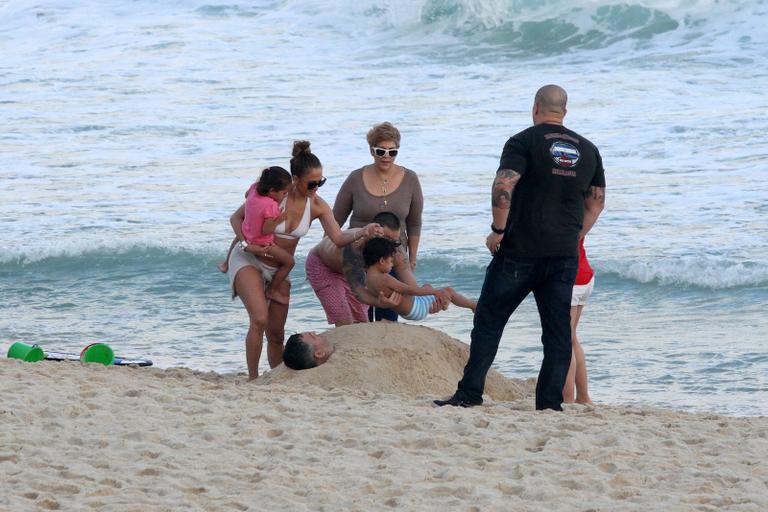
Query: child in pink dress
x=262, y=216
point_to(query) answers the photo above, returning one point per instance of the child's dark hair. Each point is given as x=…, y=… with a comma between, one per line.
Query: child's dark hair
x=303, y=159
x=377, y=248
x=387, y=220
x=273, y=178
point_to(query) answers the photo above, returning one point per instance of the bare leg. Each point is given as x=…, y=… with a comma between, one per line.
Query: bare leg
x=461, y=300
x=569, y=390
x=285, y=263
x=582, y=393
x=250, y=288
x=278, y=313
x=223, y=266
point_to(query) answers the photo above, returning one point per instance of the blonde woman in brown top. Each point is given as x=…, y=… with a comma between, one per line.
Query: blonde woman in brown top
x=383, y=186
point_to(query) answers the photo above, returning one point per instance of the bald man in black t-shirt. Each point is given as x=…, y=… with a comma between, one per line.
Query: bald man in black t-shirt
x=548, y=192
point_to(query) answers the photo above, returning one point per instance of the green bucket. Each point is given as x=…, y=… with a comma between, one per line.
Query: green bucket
x=98, y=353
x=28, y=353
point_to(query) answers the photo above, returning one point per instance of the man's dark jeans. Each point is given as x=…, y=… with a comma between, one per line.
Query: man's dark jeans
x=508, y=280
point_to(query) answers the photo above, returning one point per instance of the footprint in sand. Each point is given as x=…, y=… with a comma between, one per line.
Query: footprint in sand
x=539, y=446
x=509, y=490
x=9, y=457
x=111, y=482
x=49, y=504
x=61, y=489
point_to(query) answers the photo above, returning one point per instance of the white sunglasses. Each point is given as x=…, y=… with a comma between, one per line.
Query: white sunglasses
x=384, y=151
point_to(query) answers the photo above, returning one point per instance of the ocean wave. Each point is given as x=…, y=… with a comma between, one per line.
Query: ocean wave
x=118, y=252
x=548, y=27
x=460, y=267
x=490, y=28
x=704, y=272
x=551, y=27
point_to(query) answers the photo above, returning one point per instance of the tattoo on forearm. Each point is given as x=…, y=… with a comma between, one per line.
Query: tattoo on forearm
x=501, y=193
x=501, y=199
x=507, y=174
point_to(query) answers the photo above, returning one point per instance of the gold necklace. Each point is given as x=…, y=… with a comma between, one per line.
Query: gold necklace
x=385, y=188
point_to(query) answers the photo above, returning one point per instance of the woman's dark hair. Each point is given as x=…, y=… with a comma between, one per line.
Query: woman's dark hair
x=377, y=248
x=303, y=159
x=298, y=354
x=273, y=178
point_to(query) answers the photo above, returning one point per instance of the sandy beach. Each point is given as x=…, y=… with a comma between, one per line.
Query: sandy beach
x=359, y=433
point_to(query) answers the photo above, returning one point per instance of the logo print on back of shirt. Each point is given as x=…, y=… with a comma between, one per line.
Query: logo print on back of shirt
x=564, y=154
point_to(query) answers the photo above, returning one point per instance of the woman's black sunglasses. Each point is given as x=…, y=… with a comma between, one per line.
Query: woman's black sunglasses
x=312, y=185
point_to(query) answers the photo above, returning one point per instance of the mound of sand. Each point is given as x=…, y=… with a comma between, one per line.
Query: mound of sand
x=395, y=358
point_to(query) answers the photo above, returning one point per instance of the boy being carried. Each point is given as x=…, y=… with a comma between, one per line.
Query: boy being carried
x=378, y=255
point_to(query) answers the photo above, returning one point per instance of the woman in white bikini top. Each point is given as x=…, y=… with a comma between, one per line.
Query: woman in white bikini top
x=301, y=229
x=302, y=202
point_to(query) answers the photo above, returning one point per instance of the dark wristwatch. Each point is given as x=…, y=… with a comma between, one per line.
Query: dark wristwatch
x=496, y=230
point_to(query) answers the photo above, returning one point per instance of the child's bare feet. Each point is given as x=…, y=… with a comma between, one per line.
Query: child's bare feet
x=276, y=296
x=223, y=266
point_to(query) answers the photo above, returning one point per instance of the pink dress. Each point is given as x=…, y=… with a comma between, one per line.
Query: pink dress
x=257, y=209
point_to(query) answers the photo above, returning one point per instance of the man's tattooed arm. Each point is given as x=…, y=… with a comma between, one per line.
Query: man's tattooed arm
x=501, y=195
x=501, y=200
x=353, y=266
x=594, y=202
x=501, y=191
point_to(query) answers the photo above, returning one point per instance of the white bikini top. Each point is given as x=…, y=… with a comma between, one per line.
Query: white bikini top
x=301, y=229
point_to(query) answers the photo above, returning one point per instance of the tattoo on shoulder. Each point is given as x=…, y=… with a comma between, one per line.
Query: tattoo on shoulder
x=353, y=266
x=597, y=194
x=401, y=257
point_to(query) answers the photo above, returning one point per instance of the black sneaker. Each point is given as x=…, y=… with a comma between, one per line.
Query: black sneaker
x=459, y=399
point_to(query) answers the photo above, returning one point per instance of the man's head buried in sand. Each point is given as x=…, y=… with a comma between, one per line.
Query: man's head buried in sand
x=307, y=350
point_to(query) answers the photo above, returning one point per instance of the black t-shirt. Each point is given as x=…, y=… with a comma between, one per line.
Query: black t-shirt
x=557, y=167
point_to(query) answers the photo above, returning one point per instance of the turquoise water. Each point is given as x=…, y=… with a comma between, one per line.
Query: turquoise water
x=131, y=131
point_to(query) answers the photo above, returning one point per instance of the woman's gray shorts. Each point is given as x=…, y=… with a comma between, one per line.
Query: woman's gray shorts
x=239, y=259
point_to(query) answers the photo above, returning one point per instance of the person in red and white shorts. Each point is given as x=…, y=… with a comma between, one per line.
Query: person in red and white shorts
x=575, y=389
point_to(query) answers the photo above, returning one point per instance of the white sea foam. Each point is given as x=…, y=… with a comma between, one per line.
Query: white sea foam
x=715, y=272
x=707, y=272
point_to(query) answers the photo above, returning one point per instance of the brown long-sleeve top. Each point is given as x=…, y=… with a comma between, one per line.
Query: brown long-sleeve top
x=406, y=202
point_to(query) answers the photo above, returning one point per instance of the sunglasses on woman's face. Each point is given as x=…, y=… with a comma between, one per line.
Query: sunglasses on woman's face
x=385, y=151
x=312, y=185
